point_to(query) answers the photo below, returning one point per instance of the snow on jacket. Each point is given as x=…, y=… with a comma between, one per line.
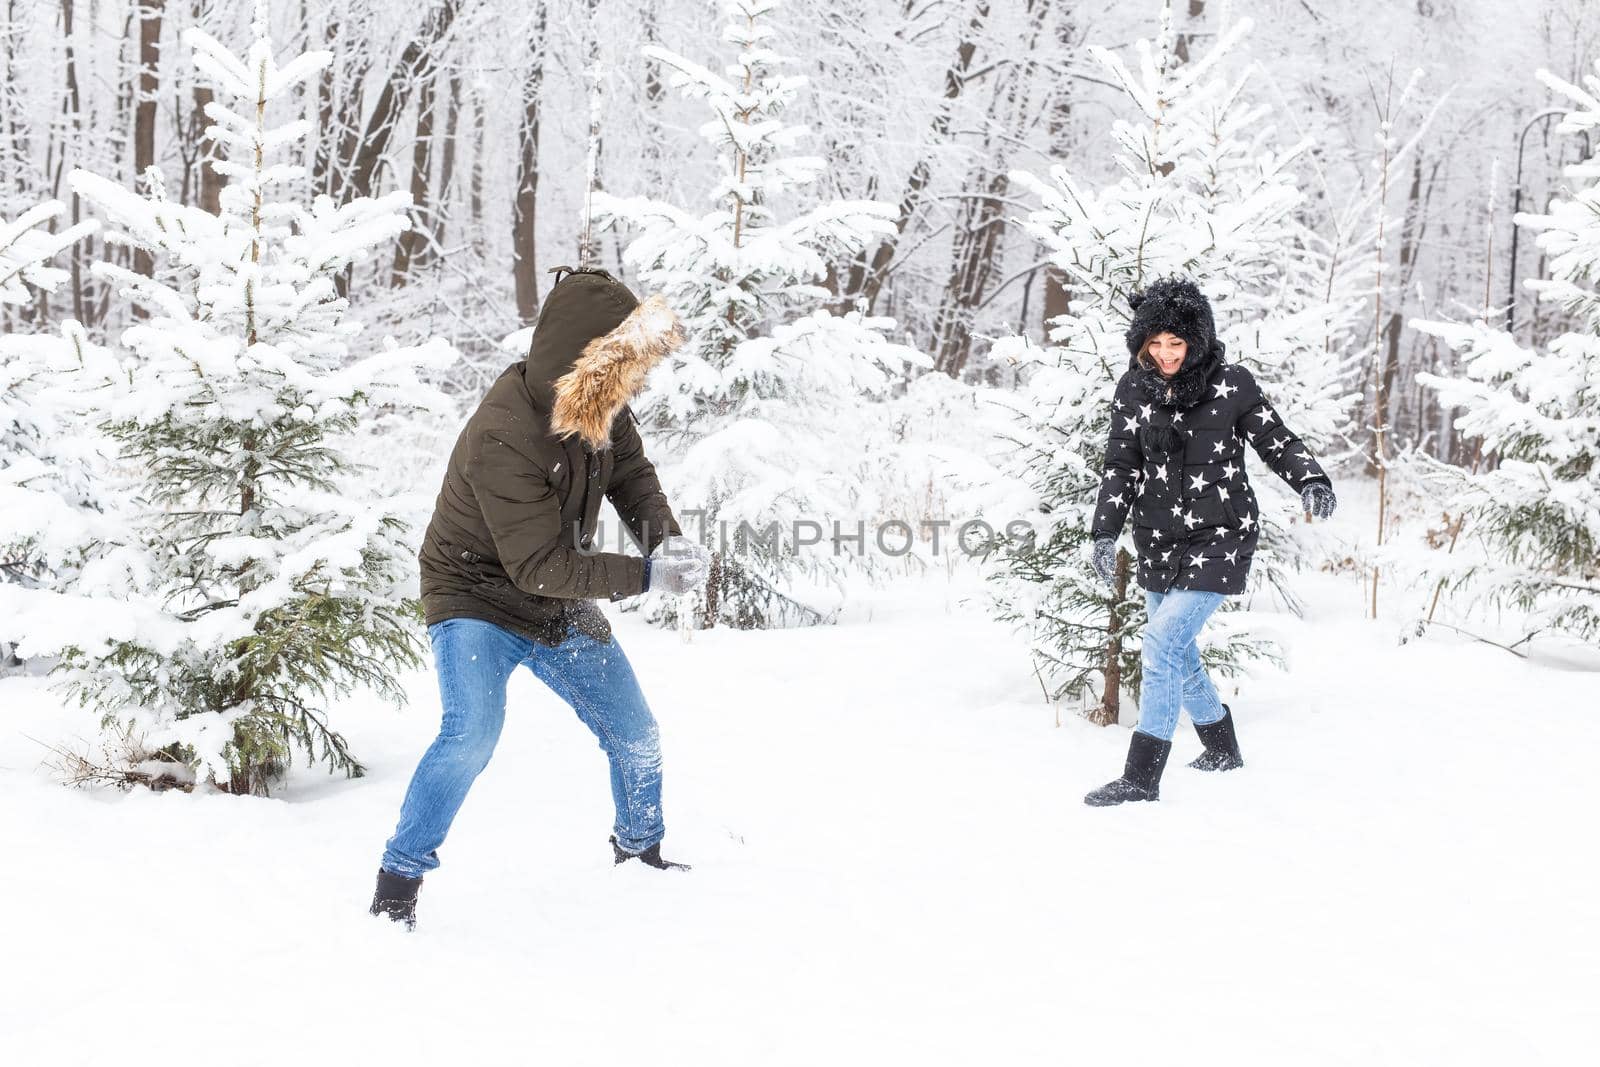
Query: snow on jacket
x=514, y=522
x=1175, y=460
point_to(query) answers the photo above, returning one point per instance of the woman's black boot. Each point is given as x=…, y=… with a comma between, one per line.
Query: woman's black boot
x=650, y=857
x=396, y=897
x=1222, y=747
x=1141, y=775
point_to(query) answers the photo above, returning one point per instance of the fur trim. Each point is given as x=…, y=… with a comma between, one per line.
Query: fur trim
x=611, y=369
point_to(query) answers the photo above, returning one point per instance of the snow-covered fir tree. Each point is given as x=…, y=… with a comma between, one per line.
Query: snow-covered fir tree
x=49, y=501
x=1203, y=192
x=758, y=410
x=1533, y=504
x=260, y=578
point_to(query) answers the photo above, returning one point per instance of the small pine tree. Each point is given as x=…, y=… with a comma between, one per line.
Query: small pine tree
x=758, y=408
x=1535, y=413
x=1202, y=193
x=263, y=578
x=49, y=500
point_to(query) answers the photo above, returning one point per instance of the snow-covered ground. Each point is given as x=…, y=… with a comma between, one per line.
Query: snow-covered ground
x=892, y=866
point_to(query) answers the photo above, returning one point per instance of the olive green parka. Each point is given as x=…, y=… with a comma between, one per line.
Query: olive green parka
x=512, y=534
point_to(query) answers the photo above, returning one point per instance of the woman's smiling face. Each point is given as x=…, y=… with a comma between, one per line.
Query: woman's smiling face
x=1167, y=351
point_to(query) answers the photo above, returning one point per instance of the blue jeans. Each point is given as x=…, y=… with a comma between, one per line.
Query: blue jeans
x=474, y=659
x=1174, y=679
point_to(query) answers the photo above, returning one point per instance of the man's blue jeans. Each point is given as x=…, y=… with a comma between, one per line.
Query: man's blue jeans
x=474, y=659
x=1174, y=678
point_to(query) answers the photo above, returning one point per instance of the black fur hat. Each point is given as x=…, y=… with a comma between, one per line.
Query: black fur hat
x=1171, y=305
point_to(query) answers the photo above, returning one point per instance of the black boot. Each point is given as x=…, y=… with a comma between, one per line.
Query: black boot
x=1222, y=747
x=651, y=857
x=396, y=897
x=1141, y=775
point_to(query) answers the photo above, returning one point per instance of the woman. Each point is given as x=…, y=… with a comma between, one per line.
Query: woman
x=1179, y=420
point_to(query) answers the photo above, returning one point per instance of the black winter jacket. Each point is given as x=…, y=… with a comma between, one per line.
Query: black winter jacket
x=1177, y=462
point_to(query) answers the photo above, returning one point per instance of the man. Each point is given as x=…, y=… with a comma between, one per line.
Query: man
x=510, y=573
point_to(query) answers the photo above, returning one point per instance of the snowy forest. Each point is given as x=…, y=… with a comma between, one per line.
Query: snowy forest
x=266, y=264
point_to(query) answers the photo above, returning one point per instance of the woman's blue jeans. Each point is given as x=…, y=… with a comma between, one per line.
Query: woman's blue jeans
x=1174, y=679
x=474, y=659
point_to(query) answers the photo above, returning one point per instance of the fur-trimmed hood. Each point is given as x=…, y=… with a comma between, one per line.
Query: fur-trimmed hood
x=593, y=347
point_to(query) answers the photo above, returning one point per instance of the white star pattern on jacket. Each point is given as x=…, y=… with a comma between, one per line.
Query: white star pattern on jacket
x=1144, y=485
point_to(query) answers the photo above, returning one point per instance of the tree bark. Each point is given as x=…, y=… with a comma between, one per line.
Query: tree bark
x=1197, y=8
x=588, y=247
x=73, y=104
x=328, y=133
x=149, y=14
x=447, y=161
x=412, y=247
x=975, y=252
x=1057, y=298
x=1110, y=709
x=202, y=150
x=524, y=207
x=475, y=175
x=867, y=275
x=415, y=66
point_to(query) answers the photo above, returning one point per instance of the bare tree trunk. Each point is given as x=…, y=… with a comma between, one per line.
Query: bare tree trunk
x=475, y=176
x=201, y=149
x=866, y=275
x=412, y=247
x=524, y=208
x=1197, y=8
x=1110, y=709
x=415, y=66
x=150, y=14
x=654, y=91
x=588, y=250
x=328, y=132
x=1057, y=302
x=447, y=161
x=981, y=222
x=73, y=105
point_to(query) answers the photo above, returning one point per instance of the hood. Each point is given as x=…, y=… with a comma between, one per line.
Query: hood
x=592, y=348
x=1174, y=305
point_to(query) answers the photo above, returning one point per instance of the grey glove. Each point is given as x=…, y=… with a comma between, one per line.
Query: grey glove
x=1105, y=559
x=676, y=545
x=678, y=565
x=1318, y=500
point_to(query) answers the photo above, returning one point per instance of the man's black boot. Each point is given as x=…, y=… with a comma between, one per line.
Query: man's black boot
x=1141, y=774
x=396, y=897
x=651, y=857
x=1222, y=747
